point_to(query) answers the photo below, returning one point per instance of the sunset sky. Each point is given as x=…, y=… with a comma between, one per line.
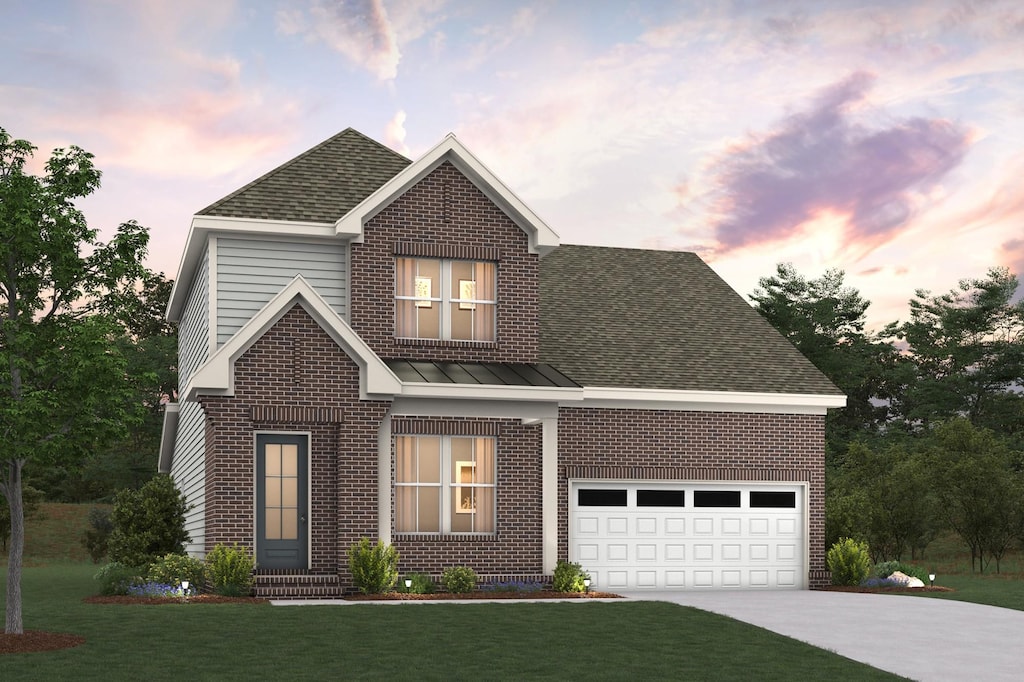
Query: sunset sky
x=883, y=138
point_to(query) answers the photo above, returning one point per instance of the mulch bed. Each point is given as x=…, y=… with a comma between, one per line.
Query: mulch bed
x=194, y=599
x=442, y=596
x=37, y=640
x=886, y=590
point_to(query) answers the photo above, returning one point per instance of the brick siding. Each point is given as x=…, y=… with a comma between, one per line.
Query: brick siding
x=446, y=209
x=694, y=446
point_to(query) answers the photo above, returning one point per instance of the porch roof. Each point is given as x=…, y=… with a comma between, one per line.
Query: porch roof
x=485, y=373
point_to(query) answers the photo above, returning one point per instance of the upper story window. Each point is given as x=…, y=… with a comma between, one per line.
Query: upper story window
x=444, y=299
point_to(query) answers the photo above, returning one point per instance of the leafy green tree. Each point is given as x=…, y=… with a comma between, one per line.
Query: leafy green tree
x=967, y=346
x=825, y=320
x=978, y=488
x=62, y=380
x=149, y=523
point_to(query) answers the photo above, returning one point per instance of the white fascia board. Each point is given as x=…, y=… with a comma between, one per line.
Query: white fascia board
x=550, y=394
x=168, y=438
x=216, y=376
x=201, y=229
x=708, y=401
x=494, y=409
x=542, y=238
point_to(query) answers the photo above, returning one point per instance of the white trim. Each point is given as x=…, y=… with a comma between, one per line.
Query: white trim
x=309, y=488
x=385, y=489
x=549, y=494
x=418, y=389
x=495, y=409
x=211, y=296
x=168, y=438
x=542, y=238
x=708, y=401
x=217, y=377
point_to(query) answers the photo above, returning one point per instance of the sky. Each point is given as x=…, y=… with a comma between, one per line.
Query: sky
x=885, y=139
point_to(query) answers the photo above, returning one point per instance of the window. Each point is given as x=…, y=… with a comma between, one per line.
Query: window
x=716, y=498
x=444, y=484
x=601, y=497
x=660, y=498
x=772, y=500
x=444, y=299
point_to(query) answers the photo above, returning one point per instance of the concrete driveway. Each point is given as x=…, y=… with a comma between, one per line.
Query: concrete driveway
x=920, y=638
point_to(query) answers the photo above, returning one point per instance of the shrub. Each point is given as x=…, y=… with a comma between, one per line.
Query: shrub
x=459, y=579
x=172, y=569
x=568, y=577
x=116, y=578
x=849, y=562
x=148, y=523
x=374, y=568
x=421, y=584
x=229, y=570
x=96, y=538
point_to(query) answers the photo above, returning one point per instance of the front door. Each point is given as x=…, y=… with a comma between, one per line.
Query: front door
x=282, y=514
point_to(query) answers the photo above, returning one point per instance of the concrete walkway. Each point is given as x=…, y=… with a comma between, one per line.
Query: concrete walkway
x=917, y=637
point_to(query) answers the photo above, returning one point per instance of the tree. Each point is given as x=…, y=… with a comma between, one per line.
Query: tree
x=825, y=321
x=978, y=487
x=62, y=379
x=968, y=350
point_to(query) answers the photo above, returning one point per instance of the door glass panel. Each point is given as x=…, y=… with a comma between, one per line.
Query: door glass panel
x=289, y=492
x=289, y=460
x=289, y=524
x=273, y=518
x=273, y=460
x=273, y=493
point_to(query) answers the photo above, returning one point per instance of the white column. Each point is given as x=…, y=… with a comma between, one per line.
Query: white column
x=384, y=479
x=549, y=494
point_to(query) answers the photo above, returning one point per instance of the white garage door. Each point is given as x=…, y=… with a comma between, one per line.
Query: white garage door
x=645, y=534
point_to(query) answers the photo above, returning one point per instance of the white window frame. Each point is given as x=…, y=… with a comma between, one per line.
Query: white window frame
x=447, y=486
x=444, y=301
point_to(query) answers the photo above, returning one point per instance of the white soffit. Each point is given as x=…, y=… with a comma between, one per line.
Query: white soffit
x=542, y=238
x=216, y=376
x=168, y=438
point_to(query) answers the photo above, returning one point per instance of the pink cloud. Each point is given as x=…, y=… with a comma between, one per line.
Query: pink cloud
x=823, y=161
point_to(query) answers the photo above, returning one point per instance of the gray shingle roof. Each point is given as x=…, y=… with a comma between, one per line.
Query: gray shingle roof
x=319, y=185
x=661, y=320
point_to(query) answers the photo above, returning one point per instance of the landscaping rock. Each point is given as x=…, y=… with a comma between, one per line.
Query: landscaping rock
x=905, y=580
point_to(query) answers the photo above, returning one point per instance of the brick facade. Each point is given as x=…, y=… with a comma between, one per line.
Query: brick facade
x=446, y=209
x=694, y=446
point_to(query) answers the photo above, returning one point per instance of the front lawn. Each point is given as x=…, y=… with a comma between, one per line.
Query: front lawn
x=627, y=640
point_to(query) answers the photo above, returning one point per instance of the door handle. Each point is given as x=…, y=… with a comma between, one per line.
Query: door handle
x=302, y=519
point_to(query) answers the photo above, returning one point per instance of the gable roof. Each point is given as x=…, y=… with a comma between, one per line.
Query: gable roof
x=320, y=185
x=542, y=237
x=635, y=318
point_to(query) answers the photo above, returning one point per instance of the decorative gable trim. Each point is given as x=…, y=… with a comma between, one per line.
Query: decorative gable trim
x=542, y=238
x=216, y=376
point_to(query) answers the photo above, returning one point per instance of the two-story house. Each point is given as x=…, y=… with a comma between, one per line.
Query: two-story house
x=373, y=347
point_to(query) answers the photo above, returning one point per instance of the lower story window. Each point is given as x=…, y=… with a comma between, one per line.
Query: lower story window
x=444, y=484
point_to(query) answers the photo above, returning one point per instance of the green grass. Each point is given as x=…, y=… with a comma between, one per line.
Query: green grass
x=629, y=640
x=55, y=532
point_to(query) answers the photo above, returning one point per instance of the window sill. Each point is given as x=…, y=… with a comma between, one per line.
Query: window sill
x=444, y=343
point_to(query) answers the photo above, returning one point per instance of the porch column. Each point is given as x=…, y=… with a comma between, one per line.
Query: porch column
x=384, y=479
x=549, y=492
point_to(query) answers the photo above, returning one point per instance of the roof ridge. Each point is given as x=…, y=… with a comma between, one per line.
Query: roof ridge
x=292, y=161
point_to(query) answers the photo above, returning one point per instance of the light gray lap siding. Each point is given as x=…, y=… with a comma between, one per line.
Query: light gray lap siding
x=194, y=330
x=252, y=271
x=189, y=472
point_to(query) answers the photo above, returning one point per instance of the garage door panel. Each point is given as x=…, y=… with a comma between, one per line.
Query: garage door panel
x=646, y=547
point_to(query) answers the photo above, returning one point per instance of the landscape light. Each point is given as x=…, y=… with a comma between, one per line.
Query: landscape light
x=408, y=583
x=931, y=579
x=586, y=585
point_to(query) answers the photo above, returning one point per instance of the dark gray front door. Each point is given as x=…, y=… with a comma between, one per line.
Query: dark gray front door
x=282, y=512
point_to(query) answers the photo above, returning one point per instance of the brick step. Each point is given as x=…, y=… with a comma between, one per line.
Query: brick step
x=296, y=586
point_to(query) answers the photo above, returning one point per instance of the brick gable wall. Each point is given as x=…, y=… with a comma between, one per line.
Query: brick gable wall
x=667, y=445
x=447, y=210
x=295, y=379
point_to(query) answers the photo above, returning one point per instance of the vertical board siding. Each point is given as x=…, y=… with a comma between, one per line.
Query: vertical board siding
x=194, y=330
x=189, y=473
x=252, y=271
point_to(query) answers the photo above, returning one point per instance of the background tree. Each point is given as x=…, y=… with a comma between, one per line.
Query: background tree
x=825, y=320
x=967, y=346
x=62, y=378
